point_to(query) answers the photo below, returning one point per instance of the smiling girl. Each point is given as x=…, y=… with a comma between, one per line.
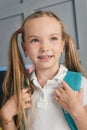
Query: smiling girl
x=39, y=100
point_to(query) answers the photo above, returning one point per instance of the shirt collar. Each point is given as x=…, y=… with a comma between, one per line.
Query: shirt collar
x=61, y=73
x=59, y=76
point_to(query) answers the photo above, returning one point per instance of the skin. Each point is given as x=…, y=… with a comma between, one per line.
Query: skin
x=71, y=101
x=10, y=109
x=44, y=48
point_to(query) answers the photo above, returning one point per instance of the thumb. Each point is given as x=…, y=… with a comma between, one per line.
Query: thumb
x=81, y=93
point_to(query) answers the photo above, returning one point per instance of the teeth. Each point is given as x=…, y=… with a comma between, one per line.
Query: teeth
x=45, y=56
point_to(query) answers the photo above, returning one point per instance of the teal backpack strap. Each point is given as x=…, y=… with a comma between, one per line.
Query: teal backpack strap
x=73, y=79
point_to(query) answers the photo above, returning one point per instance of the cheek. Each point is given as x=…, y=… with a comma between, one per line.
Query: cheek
x=31, y=52
x=58, y=48
x=58, y=51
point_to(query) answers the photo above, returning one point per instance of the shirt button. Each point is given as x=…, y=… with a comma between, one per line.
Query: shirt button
x=42, y=95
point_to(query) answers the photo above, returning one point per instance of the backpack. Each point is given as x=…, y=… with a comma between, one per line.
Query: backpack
x=73, y=79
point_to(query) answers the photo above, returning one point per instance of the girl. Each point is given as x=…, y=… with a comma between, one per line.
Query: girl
x=39, y=100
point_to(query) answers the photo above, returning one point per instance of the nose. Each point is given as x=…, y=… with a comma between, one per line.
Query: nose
x=44, y=46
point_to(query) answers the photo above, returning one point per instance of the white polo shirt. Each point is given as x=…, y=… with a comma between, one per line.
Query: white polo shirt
x=46, y=114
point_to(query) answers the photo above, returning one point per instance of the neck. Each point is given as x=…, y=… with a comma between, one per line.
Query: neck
x=44, y=75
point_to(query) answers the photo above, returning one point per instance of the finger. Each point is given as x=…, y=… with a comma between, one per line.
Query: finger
x=25, y=90
x=26, y=95
x=26, y=98
x=58, y=100
x=60, y=88
x=81, y=92
x=58, y=94
x=27, y=105
x=65, y=86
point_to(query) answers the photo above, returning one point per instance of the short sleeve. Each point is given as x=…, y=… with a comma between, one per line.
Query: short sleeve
x=84, y=86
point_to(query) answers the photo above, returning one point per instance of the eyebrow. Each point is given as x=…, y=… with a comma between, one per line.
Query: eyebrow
x=55, y=34
x=30, y=36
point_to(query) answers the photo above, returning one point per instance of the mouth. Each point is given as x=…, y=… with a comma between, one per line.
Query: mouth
x=45, y=57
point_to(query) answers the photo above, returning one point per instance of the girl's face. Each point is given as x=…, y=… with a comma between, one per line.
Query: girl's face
x=43, y=42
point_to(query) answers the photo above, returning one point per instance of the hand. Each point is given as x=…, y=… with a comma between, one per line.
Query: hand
x=70, y=100
x=9, y=109
x=26, y=98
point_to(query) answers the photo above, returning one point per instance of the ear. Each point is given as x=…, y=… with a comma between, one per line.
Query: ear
x=24, y=48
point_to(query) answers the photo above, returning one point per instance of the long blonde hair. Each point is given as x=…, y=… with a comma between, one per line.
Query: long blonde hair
x=17, y=76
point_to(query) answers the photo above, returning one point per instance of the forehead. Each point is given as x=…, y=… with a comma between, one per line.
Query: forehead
x=42, y=24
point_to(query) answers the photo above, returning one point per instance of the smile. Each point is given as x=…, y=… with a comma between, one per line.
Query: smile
x=45, y=56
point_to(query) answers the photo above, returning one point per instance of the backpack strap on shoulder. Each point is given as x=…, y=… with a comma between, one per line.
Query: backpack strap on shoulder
x=73, y=79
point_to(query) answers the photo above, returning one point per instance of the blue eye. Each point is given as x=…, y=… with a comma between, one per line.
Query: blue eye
x=34, y=41
x=54, y=38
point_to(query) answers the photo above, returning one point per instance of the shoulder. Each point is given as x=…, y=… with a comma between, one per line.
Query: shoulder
x=84, y=82
x=84, y=79
x=84, y=86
